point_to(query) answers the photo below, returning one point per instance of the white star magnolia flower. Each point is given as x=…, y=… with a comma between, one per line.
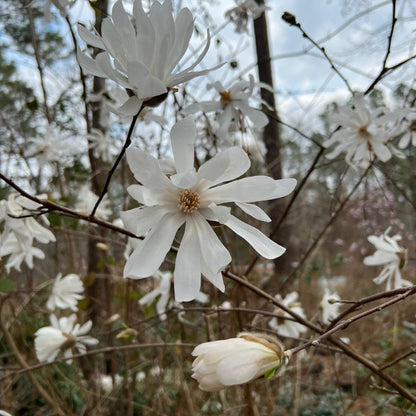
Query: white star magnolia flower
x=141, y=52
x=86, y=202
x=240, y=15
x=329, y=310
x=409, y=135
x=390, y=255
x=235, y=361
x=163, y=282
x=363, y=134
x=194, y=198
x=66, y=292
x=102, y=145
x=288, y=327
x=19, y=234
x=233, y=105
x=63, y=335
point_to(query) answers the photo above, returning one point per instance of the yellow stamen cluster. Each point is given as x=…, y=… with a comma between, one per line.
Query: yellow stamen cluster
x=362, y=131
x=225, y=97
x=189, y=201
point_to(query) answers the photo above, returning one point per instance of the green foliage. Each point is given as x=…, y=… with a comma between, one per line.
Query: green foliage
x=7, y=285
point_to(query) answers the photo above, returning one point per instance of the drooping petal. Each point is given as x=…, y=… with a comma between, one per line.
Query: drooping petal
x=214, y=253
x=187, y=274
x=262, y=244
x=254, y=211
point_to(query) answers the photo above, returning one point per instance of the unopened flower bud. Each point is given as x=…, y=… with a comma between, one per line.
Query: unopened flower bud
x=235, y=361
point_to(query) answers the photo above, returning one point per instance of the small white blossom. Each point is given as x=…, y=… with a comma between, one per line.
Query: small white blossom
x=409, y=135
x=66, y=292
x=390, y=255
x=102, y=145
x=19, y=234
x=86, y=202
x=106, y=382
x=241, y=14
x=142, y=52
x=63, y=335
x=232, y=106
x=192, y=198
x=363, y=133
x=330, y=310
x=288, y=327
x=235, y=361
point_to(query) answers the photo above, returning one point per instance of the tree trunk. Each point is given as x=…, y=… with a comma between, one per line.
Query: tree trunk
x=271, y=137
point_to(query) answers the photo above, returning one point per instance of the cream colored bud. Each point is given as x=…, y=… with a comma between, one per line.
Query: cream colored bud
x=234, y=361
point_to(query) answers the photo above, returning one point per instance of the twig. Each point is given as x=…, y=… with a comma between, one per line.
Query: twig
x=323, y=231
x=344, y=347
x=289, y=206
x=399, y=358
x=52, y=207
x=101, y=351
x=116, y=163
x=357, y=304
x=27, y=368
x=291, y=20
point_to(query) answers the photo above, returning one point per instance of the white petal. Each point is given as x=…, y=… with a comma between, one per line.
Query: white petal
x=140, y=220
x=148, y=256
x=89, y=65
x=254, y=211
x=262, y=244
x=184, y=180
x=183, y=135
x=130, y=107
x=214, y=253
x=251, y=189
x=225, y=166
x=146, y=169
x=90, y=38
x=187, y=275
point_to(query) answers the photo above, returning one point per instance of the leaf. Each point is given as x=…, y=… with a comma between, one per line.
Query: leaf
x=270, y=373
x=7, y=285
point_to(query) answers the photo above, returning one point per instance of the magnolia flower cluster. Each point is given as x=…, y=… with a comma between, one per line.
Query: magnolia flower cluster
x=364, y=134
x=64, y=334
x=391, y=256
x=234, y=361
x=194, y=199
x=142, y=52
x=283, y=323
x=21, y=231
x=232, y=107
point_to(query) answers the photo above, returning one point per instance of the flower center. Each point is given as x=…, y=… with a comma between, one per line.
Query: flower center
x=189, y=201
x=225, y=97
x=363, y=132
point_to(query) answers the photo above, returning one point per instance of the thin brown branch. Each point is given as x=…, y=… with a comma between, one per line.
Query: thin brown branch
x=348, y=350
x=334, y=216
x=289, y=205
x=291, y=20
x=116, y=163
x=52, y=207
